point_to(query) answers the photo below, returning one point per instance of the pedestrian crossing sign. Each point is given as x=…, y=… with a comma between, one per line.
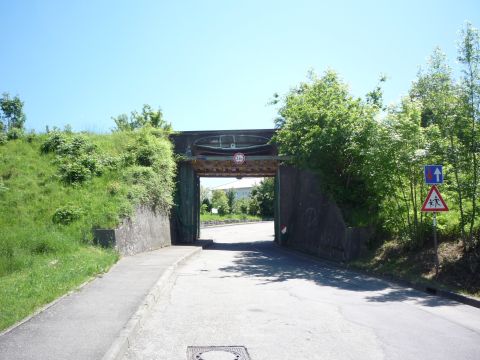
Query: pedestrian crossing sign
x=434, y=201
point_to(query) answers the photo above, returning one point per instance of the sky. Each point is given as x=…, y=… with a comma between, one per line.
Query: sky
x=209, y=64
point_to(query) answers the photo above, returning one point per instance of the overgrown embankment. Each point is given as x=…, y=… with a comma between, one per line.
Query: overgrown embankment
x=370, y=160
x=54, y=189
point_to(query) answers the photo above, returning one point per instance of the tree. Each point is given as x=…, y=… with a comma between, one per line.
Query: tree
x=326, y=130
x=137, y=120
x=12, y=115
x=262, y=198
x=469, y=57
x=231, y=200
x=406, y=144
x=441, y=112
x=206, y=205
x=220, y=202
x=242, y=206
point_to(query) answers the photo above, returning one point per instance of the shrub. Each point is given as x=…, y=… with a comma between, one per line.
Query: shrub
x=91, y=163
x=77, y=146
x=113, y=188
x=220, y=202
x=30, y=136
x=74, y=172
x=110, y=162
x=66, y=215
x=15, y=133
x=53, y=142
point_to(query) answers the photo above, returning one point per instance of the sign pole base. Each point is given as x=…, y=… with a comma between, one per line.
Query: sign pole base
x=435, y=243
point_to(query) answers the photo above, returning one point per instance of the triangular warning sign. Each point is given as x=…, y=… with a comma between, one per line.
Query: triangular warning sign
x=434, y=201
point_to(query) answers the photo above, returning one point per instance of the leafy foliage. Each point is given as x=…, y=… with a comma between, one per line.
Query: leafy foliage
x=371, y=162
x=327, y=130
x=137, y=120
x=220, y=202
x=12, y=118
x=76, y=157
x=66, y=215
x=262, y=199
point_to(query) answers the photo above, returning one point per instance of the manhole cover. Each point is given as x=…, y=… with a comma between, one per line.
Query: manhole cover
x=217, y=353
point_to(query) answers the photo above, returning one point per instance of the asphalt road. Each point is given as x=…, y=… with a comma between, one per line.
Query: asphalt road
x=245, y=291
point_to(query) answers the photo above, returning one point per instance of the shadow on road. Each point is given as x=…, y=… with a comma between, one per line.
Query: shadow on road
x=264, y=260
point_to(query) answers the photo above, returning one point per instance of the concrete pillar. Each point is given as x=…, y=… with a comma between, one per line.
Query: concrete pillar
x=276, y=208
x=187, y=221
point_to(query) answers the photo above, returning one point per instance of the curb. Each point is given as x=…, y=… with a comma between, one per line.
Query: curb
x=127, y=334
x=428, y=289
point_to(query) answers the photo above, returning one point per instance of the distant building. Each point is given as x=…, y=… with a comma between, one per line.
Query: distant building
x=242, y=188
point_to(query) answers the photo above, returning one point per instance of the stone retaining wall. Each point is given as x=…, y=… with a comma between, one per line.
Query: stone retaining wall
x=147, y=230
x=314, y=223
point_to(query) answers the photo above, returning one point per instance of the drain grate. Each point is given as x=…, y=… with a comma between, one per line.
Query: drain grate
x=217, y=353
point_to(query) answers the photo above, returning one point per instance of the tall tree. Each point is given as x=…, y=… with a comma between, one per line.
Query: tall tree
x=469, y=57
x=324, y=128
x=440, y=100
x=12, y=114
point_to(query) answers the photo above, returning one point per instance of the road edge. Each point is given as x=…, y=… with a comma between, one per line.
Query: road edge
x=428, y=289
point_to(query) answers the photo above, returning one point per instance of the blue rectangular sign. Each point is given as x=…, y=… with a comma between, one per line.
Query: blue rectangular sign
x=433, y=174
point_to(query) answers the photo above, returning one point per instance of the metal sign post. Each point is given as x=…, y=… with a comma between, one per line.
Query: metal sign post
x=435, y=243
x=434, y=203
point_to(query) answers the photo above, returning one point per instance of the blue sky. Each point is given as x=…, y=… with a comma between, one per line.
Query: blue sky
x=208, y=64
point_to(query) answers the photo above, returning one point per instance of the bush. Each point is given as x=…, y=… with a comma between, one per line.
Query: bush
x=74, y=172
x=109, y=162
x=76, y=156
x=220, y=202
x=30, y=136
x=241, y=206
x=203, y=209
x=53, y=142
x=66, y=215
x=76, y=146
x=114, y=188
x=15, y=133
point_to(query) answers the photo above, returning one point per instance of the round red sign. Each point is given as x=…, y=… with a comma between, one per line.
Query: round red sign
x=238, y=158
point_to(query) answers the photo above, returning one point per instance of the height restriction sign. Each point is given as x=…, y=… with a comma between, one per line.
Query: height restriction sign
x=434, y=201
x=238, y=158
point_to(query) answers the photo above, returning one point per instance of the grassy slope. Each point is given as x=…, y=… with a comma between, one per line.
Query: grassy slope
x=40, y=260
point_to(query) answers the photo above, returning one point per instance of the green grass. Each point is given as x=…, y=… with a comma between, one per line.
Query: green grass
x=48, y=277
x=216, y=217
x=40, y=259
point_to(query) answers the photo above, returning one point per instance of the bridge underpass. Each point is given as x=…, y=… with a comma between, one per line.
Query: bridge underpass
x=314, y=223
x=219, y=153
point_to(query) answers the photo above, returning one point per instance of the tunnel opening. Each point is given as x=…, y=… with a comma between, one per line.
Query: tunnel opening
x=235, y=154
